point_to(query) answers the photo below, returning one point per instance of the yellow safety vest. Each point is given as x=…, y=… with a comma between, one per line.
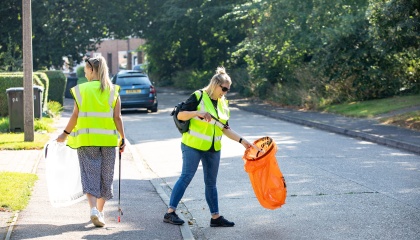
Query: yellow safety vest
x=201, y=133
x=95, y=122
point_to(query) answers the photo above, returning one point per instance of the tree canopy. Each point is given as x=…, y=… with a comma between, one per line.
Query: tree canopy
x=303, y=52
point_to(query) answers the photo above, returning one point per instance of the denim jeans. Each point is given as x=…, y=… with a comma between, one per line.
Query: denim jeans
x=190, y=160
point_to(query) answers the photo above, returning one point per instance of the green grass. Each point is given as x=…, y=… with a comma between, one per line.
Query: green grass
x=16, y=141
x=43, y=126
x=15, y=189
x=374, y=107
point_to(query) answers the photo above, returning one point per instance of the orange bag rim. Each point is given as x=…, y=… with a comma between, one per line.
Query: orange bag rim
x=273, y=146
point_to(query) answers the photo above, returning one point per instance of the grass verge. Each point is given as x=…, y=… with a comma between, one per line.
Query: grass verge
x=373, y=108
x=43, y=126
x=15, y=190
x=16, y=141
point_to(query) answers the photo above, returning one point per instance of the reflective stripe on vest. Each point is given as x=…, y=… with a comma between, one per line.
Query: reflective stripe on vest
x=93, y=130
x=203, y=134
x=95, y=125
x=96, y=114
x=213, y=122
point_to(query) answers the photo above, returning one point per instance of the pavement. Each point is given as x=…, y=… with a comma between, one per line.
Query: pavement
x=142, y=198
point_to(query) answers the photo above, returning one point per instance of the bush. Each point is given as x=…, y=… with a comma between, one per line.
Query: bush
x=44, y=79
x=80, y=72
x=57, y=86
x=54, y=109
x=192, y=79
x=11, y=80
x=81, y=80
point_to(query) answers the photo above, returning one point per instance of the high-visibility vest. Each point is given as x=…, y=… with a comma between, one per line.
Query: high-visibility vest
x=201, y=133
x=95, y=122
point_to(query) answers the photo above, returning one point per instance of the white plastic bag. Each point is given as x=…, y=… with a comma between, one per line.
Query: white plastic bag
x=63, y=174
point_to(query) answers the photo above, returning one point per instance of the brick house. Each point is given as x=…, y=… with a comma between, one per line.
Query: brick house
x=120, y=54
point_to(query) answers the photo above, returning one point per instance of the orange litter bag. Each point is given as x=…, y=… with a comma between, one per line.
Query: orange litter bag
x=264, y=173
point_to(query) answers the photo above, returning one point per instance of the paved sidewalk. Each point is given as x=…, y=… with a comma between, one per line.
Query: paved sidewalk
x=142, y=205
x=366, y=129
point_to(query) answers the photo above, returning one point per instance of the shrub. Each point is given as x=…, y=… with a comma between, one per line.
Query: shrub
x=11, y=80
x=57, y=86
x=54, y=109
x=44, y=79
x=192, y=79
x=80, y=72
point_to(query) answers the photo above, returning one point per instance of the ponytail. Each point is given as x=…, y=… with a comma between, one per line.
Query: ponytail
x=101, y=68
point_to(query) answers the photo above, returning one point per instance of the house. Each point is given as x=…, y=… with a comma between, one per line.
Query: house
x=120, y=54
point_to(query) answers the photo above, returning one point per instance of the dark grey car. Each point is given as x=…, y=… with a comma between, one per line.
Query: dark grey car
x=136, y=90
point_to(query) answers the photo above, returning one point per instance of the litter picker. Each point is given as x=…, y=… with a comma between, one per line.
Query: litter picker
x=120, y=212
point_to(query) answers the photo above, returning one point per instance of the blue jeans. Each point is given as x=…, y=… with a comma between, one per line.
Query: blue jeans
x=190, y=159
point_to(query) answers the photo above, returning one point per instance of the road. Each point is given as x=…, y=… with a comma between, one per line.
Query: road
x=338, y=187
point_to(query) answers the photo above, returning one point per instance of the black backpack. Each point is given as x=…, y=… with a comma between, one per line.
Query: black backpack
x=182, y=126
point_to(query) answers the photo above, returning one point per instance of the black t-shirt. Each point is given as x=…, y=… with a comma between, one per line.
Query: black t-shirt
x=191, y=105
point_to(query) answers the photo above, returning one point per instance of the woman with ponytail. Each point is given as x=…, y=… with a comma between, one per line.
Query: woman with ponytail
x=208, y=123
x=95, y=129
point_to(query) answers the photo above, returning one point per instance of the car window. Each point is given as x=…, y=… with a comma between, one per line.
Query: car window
x=132, y=80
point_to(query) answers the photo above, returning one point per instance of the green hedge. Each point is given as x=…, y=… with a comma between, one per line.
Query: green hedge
x=11, y=80
x=45, y=80
x=80, y=72
x=57, y=85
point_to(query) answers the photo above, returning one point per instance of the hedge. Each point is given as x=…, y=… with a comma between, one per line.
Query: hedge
x=45, y=80
x=57, y=85
x=11, y=80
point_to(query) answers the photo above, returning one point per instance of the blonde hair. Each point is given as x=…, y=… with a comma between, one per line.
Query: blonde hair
x=218, y=79
x=100, y=66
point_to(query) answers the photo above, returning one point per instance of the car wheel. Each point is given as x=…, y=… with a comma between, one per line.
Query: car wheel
x=154, y=108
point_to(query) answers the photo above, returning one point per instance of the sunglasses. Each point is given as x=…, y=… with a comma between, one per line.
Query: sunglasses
x=87, y=60
x=224, y=89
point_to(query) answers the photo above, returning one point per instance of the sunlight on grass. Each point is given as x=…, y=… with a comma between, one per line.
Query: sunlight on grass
x=374, y=107
x=15, y=141
x=15, y=189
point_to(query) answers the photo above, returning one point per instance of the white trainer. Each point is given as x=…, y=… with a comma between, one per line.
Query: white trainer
x=95, y=217
x=102, y=217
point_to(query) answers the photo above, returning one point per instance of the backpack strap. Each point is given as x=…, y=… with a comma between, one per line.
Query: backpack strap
x=199, y=99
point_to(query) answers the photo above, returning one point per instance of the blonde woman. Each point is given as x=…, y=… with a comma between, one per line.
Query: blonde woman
x=95, y=129
x=208, y=122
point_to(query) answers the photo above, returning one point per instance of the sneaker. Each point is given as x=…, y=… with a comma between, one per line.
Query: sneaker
x=173, y=219
x=221, y=222
x=96, y=218
x=102, y=217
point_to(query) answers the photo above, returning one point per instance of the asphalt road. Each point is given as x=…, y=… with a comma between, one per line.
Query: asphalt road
x=338, y=187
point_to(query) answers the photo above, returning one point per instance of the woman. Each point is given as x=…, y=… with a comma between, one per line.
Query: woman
x=93, y=130
x=208, y=122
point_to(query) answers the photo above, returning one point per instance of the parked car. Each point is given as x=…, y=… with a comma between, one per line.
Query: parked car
x=136, y=90
x=140, y=67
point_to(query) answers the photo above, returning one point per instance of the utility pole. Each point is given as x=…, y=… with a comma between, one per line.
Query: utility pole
x=129, y=62
x=28, y=98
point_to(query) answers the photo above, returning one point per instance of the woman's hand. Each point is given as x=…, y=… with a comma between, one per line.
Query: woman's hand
x=245, y=143
x=121, y=145
x=62, y=137
x=204, y=115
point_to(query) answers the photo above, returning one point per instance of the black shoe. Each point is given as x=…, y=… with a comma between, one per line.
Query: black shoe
x=173, y=218
x=221, y=222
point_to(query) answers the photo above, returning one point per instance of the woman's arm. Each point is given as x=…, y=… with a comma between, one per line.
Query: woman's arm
x=236, y=137
x=187, y=115
x=119, y=123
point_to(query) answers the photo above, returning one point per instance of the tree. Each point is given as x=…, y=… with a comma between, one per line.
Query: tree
x=67, y=27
